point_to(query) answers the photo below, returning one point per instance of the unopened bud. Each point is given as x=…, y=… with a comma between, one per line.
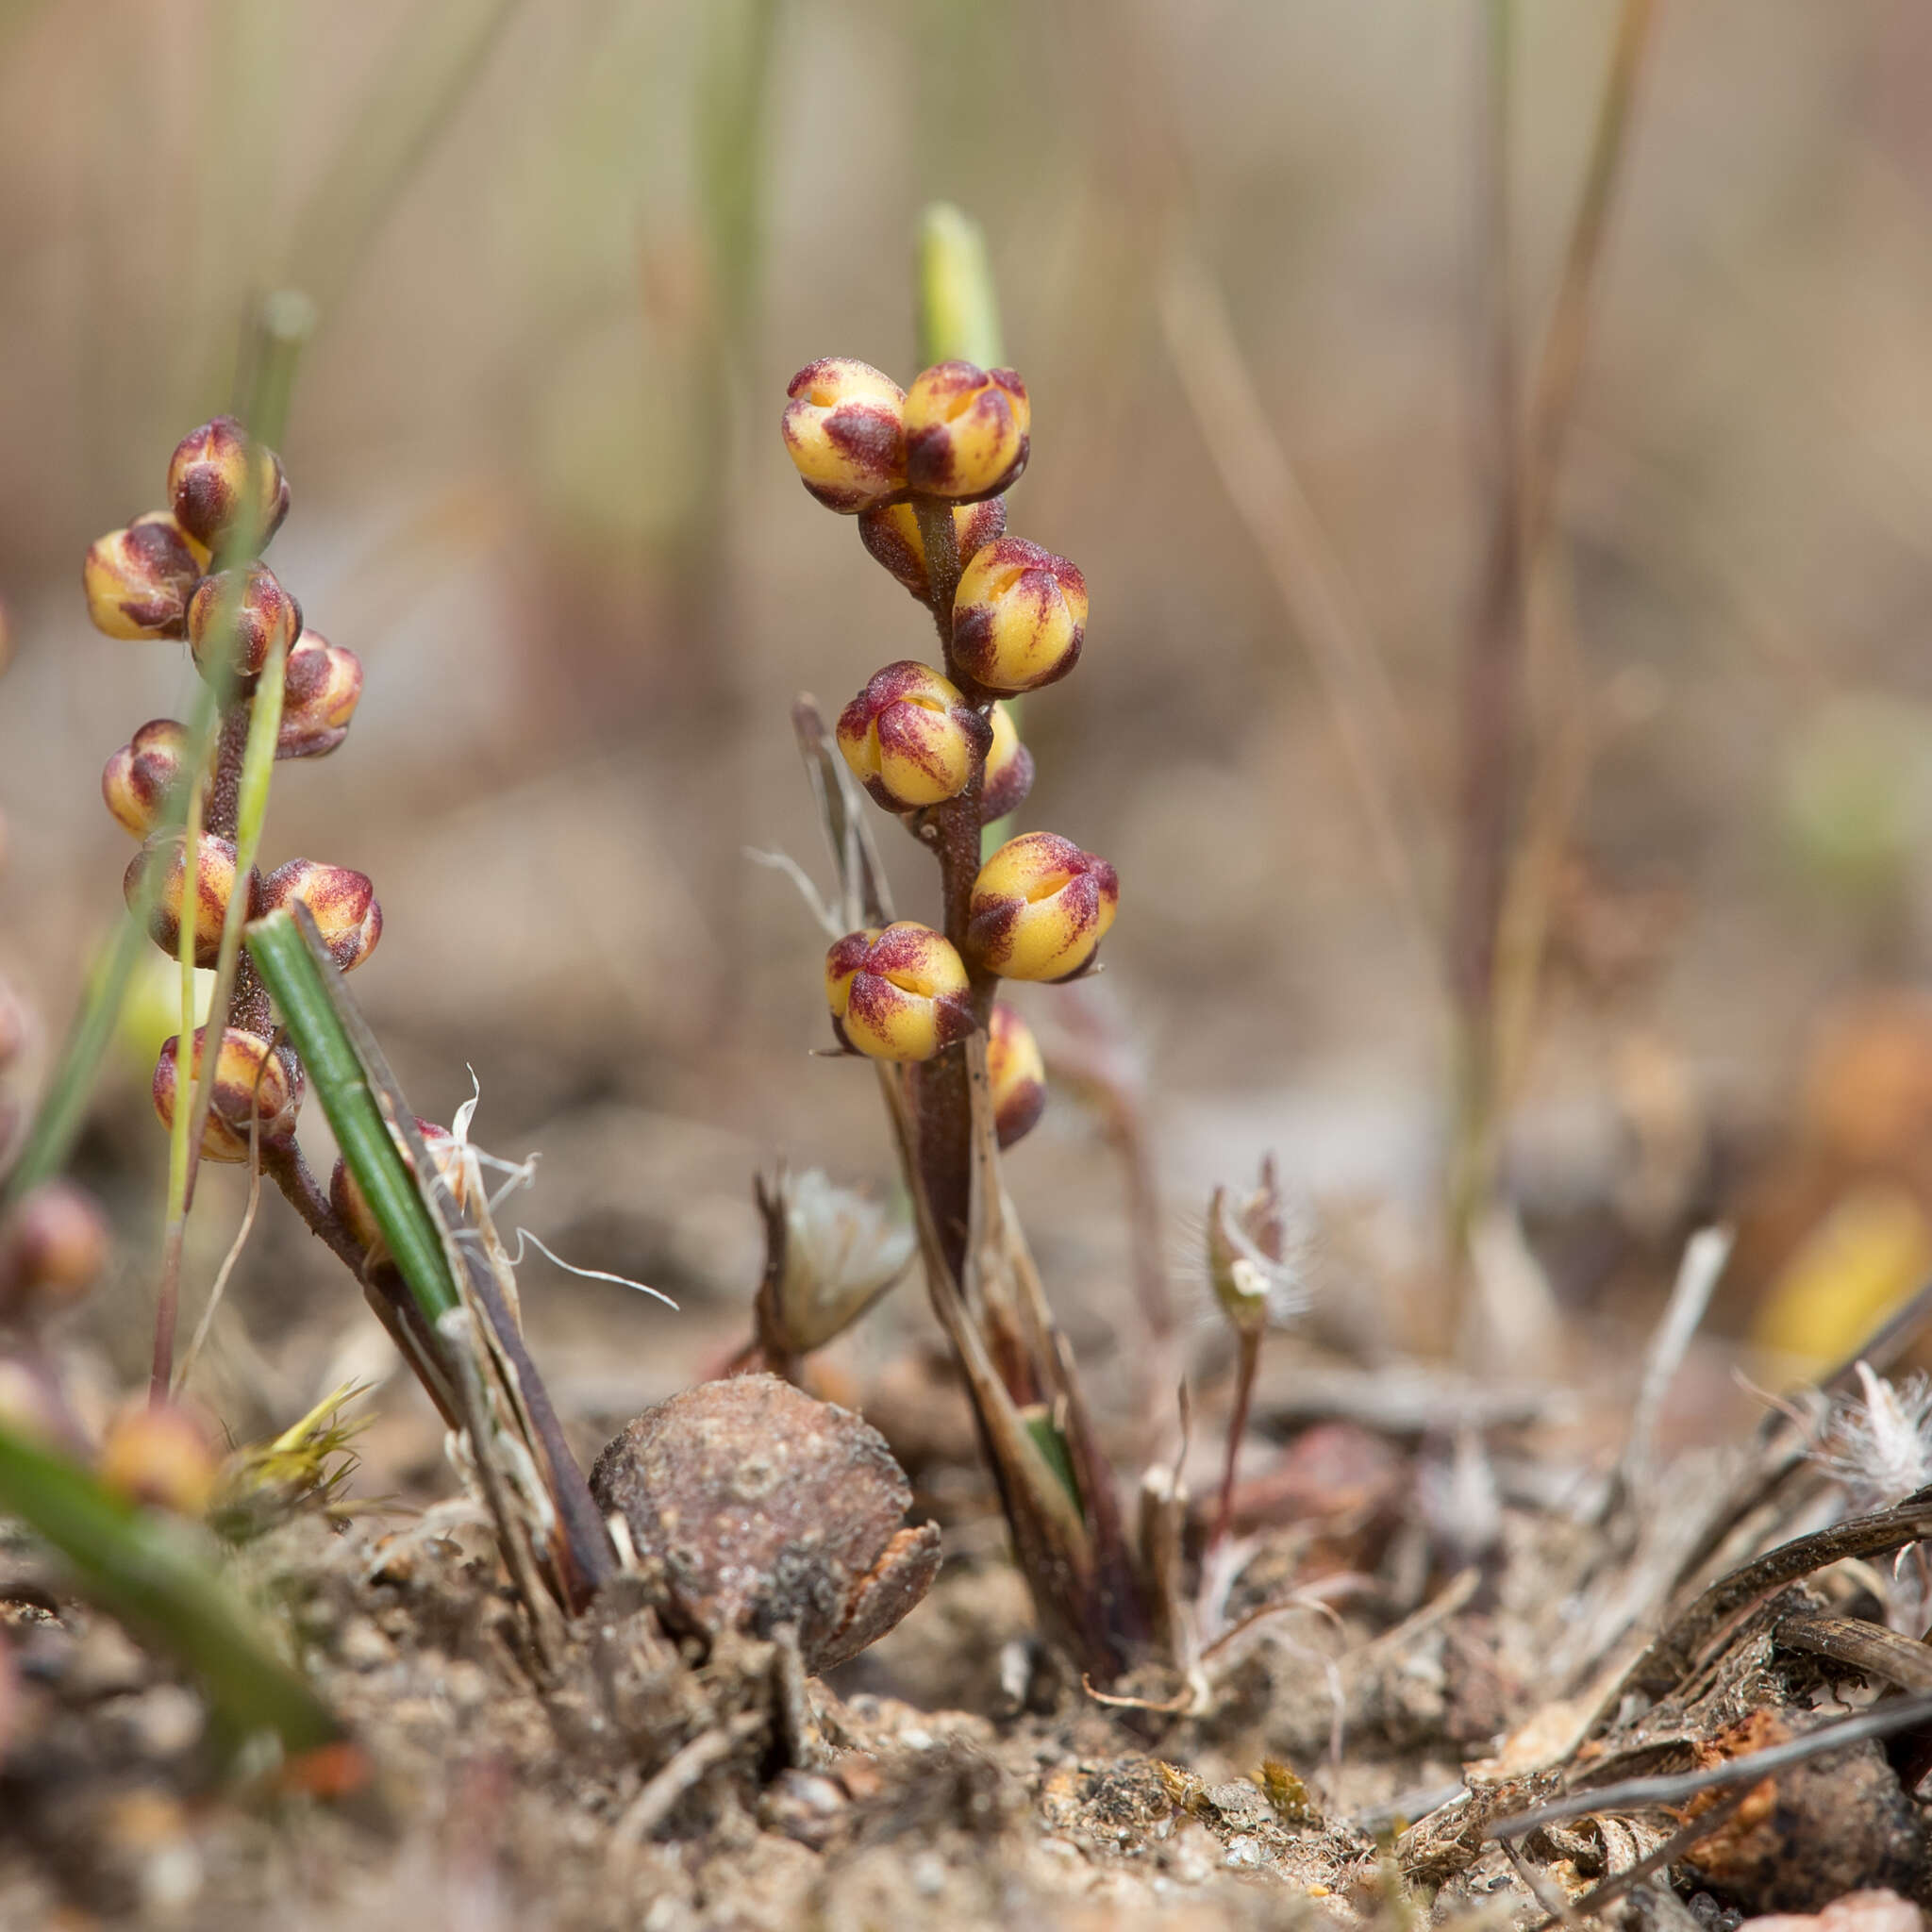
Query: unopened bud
x=153, y=884
x=140, y=776
x=1016, y=1074
x=159, y=1456
x=892, y=534
x=341, y=902
x=223, y=485
x=1008, y=768
x=319, y=691
x=897, y=993
x=1248, y=1254
x=251, y=1077
x=51, y=1248
x=139, y=580
x=845, y=429
x=1019, y=616
x=1040, y=906
x=351, y=1204
x=235, y=619
x=966, y=430
x=910, y=738
x=830, y=1255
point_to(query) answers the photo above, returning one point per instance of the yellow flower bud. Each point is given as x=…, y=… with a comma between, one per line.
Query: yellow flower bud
x=1008, y=768
x=223, y=485
x=51, y=1248
x=235, y=619
x=1019, y=616
x=891, y=533
x=1016, y=1074
x=845, y=429
x=158, y=1456
x=250, y=1076
x=898, y=992
x=319, y=691
x=966, y=430
x=140, y=776
x=352, y=1207
x=1040, y=906
x=910, y=738
x=157, y=873
x=139, y=580
x=342, y=903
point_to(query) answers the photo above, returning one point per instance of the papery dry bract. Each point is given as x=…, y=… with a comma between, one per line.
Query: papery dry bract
x=52, y=1247
x=1040, y=907
x=342, y=903
x=139, y=580
x=910, y=738
x=235, y=619
x=223, y=485
x=1008, y=768
x=250, y=1076
x=158, y=1456
x=137, y=779
x=845, y=429
x=321, y=688
x=1016, y=1074
x=1019, y=617
x=831, y=1254
x=892, y=534
x=966, y=430
x=156, y=874
x=899, y=992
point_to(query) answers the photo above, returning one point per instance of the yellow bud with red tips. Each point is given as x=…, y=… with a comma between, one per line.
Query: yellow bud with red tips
x=966, y=430
x=223, y=485
x=321, y=688
x=1008, y=768
x=251, y=1077
x=155, y=887
x=1016, y=1074
x=140, y=777
x=892, y=534
x=235, y=619
x=845, y=431
x=352, y=1207
x=139, y=580
x=910, y=738
x=1040, y=907
x=342, y=903
x=897, y=993
x=1019, y=616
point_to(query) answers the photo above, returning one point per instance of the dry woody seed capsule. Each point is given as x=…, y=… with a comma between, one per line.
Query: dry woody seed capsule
x=910, y=738
x=235, y=619
x=250, y=1078
x=342, y=903
x=139, y=779
x=1015, y=1073
x=153, y=884
x=966, y=430
x=1019, y=617
x=1040, y=907
x=139, y=580
x=223, y=486
x=891, y=534
x=899, y=992
x=321, y=688
x=1008, y=768
x=845, y=431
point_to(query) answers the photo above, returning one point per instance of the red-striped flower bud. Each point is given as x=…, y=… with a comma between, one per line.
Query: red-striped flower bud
x=250, y=1078
x=235, y=619
x=845, y=429
x=1016, y=1074
x=891, y=533
x=319, y=691
x=966, y=430
x=51, y=1248
x=351, y=1204
x=158, y=1456
x=154, y=887
x=910, y=738
x=140, y=776
x=342, y=903
x=1040, y=906
x=139, y=580
x=1008, y=768
x=898, y=992
x=1019, y=616
x=223, y=485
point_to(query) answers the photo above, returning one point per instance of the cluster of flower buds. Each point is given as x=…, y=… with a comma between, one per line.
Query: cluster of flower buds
x=921, y=739
x=193, y=571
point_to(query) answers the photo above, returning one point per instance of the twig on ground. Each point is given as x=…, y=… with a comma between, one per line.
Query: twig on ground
x=686, y=1769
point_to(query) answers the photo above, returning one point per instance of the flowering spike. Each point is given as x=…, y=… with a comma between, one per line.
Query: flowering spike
x=845, y=431
x=1040, y=907
x=222, y=484
x=1016, y=1074
x=910, y=738
x=215, y=884
x=1008, y=768
x=1019, y=616
x=891, y=534
x=235, y=619
x=966, y=430
x=319, y=691
x=898, y=992
x=139, y=580
x=243, y=1061
x=141, y=775
x=342, y=903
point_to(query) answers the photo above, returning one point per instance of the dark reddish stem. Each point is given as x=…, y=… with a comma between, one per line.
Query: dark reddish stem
x=1250, y=1357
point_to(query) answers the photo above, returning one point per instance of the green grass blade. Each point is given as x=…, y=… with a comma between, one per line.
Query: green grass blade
x=959, y=305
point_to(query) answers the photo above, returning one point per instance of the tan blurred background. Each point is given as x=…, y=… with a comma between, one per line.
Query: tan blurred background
x=566, y=256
